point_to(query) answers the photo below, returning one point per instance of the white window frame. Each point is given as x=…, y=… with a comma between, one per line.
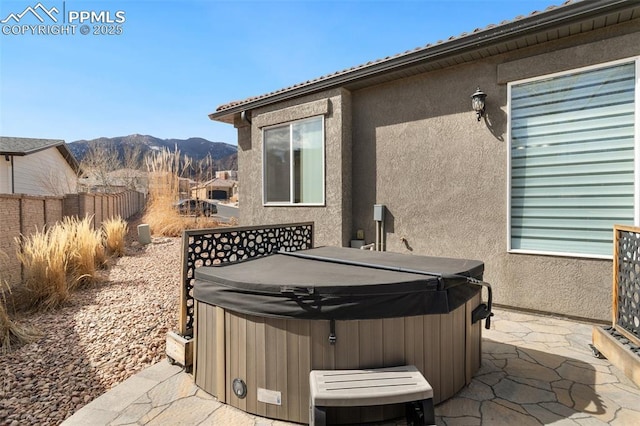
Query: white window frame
x=636, y=179
x=291, y=202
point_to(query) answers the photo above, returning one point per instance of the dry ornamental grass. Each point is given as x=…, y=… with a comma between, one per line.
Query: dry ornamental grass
x=59, y=259
x=85, y=251
x=114, y=231
x=164, y=191
x=44, y=257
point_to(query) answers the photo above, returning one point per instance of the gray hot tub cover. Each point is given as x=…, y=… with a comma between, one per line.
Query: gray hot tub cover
x=339, y=283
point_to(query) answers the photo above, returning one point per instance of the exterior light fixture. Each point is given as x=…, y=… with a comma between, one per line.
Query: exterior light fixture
x=477, y=102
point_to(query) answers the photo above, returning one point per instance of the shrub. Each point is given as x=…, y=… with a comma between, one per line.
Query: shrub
x=114, y=231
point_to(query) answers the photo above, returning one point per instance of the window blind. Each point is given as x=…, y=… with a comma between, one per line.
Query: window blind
x=572, y=160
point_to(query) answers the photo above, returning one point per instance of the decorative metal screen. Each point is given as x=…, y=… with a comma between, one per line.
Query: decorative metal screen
x=626, y=284
x=205, y=247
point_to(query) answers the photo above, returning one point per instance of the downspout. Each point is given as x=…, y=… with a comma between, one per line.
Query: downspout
x=13, y=181
x=13, y=186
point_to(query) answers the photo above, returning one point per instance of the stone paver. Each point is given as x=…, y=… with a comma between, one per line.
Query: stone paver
x=535, y=370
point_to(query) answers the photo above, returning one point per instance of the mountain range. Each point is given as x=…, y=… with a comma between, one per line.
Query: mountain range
x=225, y=155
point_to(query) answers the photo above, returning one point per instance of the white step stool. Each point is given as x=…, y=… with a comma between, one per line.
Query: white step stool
x=381, y=386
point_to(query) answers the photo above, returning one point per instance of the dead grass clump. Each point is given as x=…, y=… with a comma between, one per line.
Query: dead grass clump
x=12, y=335
x=85, y=250
x=45, y=259
x=114, y=231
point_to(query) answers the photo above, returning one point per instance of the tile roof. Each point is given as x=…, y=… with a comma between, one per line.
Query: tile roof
x=475, y=32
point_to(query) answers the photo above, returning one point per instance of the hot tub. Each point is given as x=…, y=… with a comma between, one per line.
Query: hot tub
x=265, y=323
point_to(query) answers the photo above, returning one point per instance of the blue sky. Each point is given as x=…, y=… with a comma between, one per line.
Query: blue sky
x=176, y=61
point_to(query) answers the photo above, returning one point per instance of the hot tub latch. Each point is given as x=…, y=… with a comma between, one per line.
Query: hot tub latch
x=332, y=332
x=482, y=311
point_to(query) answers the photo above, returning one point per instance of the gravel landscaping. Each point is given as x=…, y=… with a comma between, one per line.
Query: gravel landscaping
x=103, y=335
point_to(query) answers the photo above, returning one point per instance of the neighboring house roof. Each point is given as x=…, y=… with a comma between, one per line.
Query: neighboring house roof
x=117, y=177
x=128, y=173
x=24, y=146
x=219, y=183
x=571, y=18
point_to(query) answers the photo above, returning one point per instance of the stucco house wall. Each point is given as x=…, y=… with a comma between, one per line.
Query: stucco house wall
x=333, y=220
x=443, y=176
x=413, y=144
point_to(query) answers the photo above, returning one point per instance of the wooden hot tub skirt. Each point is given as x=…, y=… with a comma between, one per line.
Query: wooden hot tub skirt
x=274, y=357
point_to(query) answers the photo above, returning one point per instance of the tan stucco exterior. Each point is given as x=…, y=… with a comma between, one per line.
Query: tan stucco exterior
x=333, y=220
x=444, y=176
x=414, y=145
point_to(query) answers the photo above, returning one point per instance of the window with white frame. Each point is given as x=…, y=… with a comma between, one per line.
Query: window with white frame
x=293, y=169
x=573, y=140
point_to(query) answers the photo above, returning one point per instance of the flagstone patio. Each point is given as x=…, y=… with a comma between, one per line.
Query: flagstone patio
x=535, y=370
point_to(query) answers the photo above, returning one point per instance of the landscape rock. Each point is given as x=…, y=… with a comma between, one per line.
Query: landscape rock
x=102, y=336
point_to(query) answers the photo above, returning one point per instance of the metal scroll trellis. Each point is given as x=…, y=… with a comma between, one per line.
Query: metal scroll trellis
x=204, y=247
x=626, y=281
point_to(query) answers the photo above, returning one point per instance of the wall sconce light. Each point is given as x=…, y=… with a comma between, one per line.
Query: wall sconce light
x=477, y=102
